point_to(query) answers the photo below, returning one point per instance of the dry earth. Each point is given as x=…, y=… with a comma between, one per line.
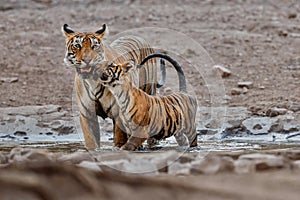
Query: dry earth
x=258, y=41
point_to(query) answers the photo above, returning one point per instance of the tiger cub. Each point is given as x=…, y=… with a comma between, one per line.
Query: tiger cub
x=146, y=116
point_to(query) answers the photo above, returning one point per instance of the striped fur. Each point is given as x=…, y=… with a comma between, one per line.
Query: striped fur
x=86, y=50
x=145, y=116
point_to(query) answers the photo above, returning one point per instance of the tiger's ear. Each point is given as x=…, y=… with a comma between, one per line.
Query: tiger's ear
x=127, y=66
x=103, y=31
x=67, y=31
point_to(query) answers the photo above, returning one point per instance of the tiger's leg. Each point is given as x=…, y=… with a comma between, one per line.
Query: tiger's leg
x=88, y=118
x=135, y=141
x=90, y=129
x=193, y=138
x=120, y=136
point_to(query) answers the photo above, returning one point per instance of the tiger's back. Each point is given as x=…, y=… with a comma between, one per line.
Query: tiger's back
x=145, y=116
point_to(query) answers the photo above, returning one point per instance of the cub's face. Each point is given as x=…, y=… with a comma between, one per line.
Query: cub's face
x=110, y=73
x=84, y=50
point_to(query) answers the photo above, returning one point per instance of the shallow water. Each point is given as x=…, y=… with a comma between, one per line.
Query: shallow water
x=218, y=146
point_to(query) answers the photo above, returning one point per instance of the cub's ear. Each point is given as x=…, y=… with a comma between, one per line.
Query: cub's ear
x=67, y=31
x=127, y=66
x=103, y=31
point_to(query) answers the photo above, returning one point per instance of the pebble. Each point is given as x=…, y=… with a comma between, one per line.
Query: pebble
x=245, y=84
x=20, y=133
x=9, y=79
x=236, y=91
x=224, y=72
x=273, y=112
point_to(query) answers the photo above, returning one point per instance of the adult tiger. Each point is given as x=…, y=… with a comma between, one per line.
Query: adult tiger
x=84, y=50
x=145, y=116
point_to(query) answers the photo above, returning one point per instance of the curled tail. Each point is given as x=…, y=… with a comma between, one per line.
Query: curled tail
x=162, y=81
x=180, y=73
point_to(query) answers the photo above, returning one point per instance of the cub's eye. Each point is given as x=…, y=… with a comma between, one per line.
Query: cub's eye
x=77, y=46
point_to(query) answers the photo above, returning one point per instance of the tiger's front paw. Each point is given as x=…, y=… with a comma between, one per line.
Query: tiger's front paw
x=128, y=147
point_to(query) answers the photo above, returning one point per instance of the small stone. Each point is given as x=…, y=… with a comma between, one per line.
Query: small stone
x=168, y=90
x=20, y=133
x=236, y=91
x=9, y=79
x=287, y=128
x=282, y=33
x=224, y=72
x=257, y=127
x=245, y=90
x=276, y=128
x=245, y=84
x=292, y=15
x=273, y=112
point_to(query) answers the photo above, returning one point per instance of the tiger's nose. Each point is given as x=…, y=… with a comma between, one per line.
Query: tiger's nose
x=87, y=60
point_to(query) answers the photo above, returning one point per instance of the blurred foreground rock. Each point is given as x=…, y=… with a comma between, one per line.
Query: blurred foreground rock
x=37, y=174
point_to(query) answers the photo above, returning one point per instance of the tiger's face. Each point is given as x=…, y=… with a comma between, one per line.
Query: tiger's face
x=84, y=50
x=110, y=73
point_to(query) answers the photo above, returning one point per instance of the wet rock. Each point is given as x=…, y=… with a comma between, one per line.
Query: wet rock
x=223, y=71
x=258, y=125
x=245, y=84
x=276, y=128
x=273, y=112
x=64, y=129
x=207, y=132
x=20, y=133
x=288, y=128
x=213, y=124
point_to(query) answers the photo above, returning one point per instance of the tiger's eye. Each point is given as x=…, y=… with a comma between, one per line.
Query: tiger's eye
x=96, y=46
x=77, y=46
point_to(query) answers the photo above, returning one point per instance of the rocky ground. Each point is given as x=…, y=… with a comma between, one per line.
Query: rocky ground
x=249, y=130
